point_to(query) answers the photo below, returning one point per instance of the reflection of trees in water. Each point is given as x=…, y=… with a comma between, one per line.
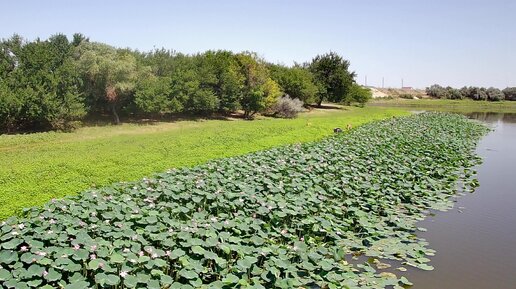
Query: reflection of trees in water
x=493, y=116
x=509, y=117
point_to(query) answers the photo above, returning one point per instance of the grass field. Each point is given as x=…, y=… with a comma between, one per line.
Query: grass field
x=38, y=167
x=462, y=106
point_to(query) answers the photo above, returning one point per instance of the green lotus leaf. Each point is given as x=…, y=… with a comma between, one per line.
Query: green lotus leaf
x=188, y=274
x=77, y=285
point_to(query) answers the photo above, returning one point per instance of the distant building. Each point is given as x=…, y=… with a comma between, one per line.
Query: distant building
x=407, y=88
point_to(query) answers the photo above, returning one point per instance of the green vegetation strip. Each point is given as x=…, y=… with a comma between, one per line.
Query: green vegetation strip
x=282, y=218
x=460, y=106
x=38, y=167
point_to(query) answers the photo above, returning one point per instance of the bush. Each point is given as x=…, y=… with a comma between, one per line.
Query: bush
x=287, y=107
x=357, y=94
x=406, y=96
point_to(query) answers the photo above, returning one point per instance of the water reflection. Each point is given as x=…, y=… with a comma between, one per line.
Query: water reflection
x=491, y=117
x=476, y=241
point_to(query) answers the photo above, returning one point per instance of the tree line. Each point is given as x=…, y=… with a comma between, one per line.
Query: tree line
x=471, y=92
x=57, y=82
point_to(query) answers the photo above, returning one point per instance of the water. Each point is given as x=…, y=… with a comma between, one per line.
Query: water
x=476, y=241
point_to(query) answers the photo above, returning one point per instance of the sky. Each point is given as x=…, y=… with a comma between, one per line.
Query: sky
x=449, y=42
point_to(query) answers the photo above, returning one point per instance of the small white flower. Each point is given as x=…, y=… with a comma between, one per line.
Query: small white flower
x=154, y=256
x=21, y=226
x=52, y=221
x=123, y=274
x=14, y=233
x=45, y=273
x=93, y=256
x=24, y=249
x=126, y=250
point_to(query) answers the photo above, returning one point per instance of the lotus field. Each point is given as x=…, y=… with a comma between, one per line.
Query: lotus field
x=290, y=217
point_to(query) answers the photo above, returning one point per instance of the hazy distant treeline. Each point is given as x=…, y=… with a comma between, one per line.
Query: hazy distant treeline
x=475, y=93
x=53, y=83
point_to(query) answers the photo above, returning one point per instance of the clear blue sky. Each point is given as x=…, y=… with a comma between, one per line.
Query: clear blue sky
x=451, y=42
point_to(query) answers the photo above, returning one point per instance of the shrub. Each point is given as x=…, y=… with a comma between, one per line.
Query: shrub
x=406, y=96
x=287, y=107
x=357, y=94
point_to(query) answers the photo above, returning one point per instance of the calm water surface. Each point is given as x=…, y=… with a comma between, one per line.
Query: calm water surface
x=476, y=240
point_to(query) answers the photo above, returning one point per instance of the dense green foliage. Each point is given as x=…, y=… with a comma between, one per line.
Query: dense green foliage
x=54, y=83
x=475, y=93
x=283, y=218
x=332, y=77
x=296, y=82
x=38, y=167
x=39, y=84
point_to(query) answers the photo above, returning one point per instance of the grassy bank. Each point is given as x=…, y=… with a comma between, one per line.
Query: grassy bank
x=38, y=167
x=462, y=106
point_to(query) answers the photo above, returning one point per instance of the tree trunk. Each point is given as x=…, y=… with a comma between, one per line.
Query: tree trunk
x=319, y=102
x=115, y=114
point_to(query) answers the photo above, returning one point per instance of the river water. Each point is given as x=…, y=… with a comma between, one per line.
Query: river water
x=476, y=240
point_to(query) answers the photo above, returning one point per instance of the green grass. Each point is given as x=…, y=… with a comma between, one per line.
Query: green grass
x=462, y=106
x=38, y=167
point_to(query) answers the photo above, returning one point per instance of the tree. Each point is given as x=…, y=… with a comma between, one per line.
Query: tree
x=436, y=91
x=109, y=75
x=332, y=77
x=478, y=93
x=494, y=94
x=510, y=93
x=272, y=92
x=297, y=82
x=255, y=76
x=221, y=72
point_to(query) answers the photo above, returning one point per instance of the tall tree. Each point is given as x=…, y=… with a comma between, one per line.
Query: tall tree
x=254, y=92
x=109, y=74
x=332, y=77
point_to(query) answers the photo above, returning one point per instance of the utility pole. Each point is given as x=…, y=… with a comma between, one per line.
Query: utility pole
x=402, y=83
x=365, y=80
x=383, y=82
